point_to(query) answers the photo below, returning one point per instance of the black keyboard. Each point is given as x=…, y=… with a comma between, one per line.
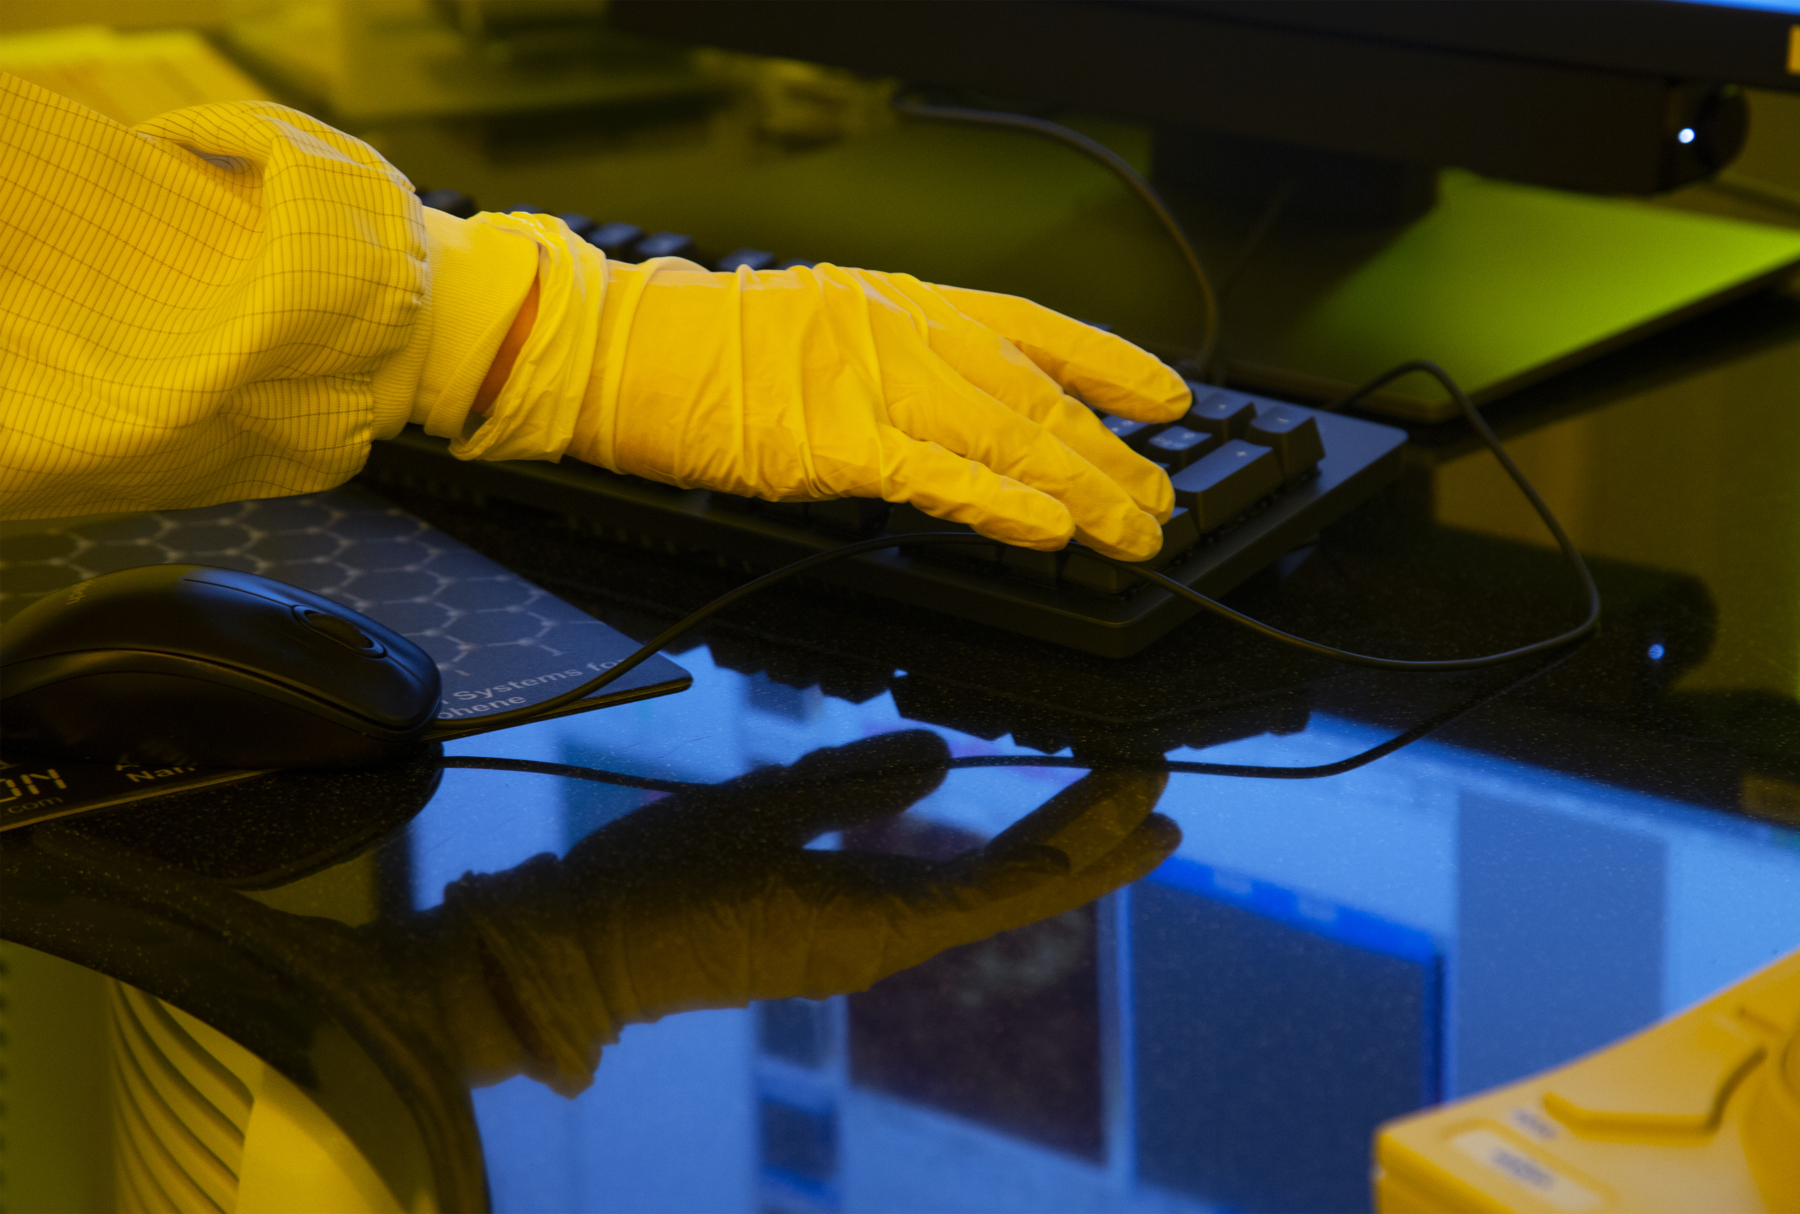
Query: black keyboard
x=1254, y=479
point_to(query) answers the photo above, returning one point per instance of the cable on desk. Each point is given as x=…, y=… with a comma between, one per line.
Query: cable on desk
x=1256, y=772
x=1115, y=163
x=1181, y=766
x=1589, y=623
x=568, y=771
x=669, y=635
x=518, y=716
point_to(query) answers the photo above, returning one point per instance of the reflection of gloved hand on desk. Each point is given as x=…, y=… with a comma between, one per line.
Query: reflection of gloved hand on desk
x=712, y=899
x=231, y=300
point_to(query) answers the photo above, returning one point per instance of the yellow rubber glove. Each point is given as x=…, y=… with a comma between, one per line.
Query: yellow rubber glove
x=794, y=385
x=800, y=385
x=711, y=899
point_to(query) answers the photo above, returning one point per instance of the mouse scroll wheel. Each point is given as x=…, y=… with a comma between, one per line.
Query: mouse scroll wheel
x=340, y=630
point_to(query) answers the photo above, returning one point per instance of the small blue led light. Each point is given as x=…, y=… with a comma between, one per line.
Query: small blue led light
x=1685, y=135
x=1656, y=652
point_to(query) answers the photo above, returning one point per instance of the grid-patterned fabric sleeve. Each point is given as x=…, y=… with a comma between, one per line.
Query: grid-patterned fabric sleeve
x=194, y=310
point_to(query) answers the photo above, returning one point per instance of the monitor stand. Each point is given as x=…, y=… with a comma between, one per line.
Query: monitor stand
x=1503, y=284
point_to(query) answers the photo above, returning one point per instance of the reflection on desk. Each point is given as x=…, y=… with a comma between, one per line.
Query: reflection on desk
x=1558, y=863
x=1309, y=959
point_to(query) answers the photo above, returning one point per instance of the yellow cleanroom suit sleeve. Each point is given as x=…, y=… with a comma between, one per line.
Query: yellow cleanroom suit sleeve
x=229, y=301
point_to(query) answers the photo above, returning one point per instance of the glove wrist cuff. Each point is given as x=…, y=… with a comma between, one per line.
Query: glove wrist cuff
x=537, y=971
x=535, y=414
x=480, y=273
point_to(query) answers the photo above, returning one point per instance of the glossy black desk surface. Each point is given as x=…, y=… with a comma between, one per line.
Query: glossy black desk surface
x=1558, y=854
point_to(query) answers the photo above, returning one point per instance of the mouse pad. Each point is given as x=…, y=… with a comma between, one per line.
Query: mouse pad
x=500, y=642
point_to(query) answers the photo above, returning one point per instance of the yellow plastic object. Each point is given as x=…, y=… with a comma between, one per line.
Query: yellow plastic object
x=1700, y=1112
x=129, y=77
x=807, y=384
x=204, y=1125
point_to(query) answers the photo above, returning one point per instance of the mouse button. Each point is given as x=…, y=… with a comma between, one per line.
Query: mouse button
x=349, y=692
x=26, y=676
x=163, y=718
x=100, y=621
x=340, y=630
x=382, y=695
x=272, y=589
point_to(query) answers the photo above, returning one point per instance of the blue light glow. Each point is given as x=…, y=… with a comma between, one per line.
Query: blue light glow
x=1656, y=652
x=1685, y=135
x=1779, y=6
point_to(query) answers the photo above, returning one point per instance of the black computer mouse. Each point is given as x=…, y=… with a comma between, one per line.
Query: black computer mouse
x=187, y=665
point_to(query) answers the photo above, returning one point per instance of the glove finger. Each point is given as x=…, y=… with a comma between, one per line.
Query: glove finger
x=828, y=789
x=880, y=914
x=773, y=809
x=1109, y=372
x=948, y=486
x=868, y=916
x=995, y=365
x=1086, y=820
x=928, y=400
x=1137, y=856
x=832, y=922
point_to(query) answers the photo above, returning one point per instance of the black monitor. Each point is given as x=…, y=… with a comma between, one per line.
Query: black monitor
x=1347, y=111
x=1622, y=96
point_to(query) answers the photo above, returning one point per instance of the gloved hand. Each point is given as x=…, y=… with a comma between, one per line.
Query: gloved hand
x=795, y=385
x=799, y=384
x=710, y=899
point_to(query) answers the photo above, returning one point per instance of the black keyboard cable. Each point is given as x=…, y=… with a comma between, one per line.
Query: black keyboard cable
x=1144, y=190
x=1243, y=771
x=1120, y=167
x=1589, y=623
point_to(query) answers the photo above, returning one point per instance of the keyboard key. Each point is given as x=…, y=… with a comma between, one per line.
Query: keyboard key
x=450, y=202
x=1225, y=414
x=578, y=223
x=1178, y=446
x=1044, y=568
x=1220, y=485
x=1132, y=434
x=1294, y=436
x=1180, y=533
x=1083, y=568
x=616, y=240
x=850, y=517
x=799, y=514
x=755, y=259
x=907, y=519
x=665, y=244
